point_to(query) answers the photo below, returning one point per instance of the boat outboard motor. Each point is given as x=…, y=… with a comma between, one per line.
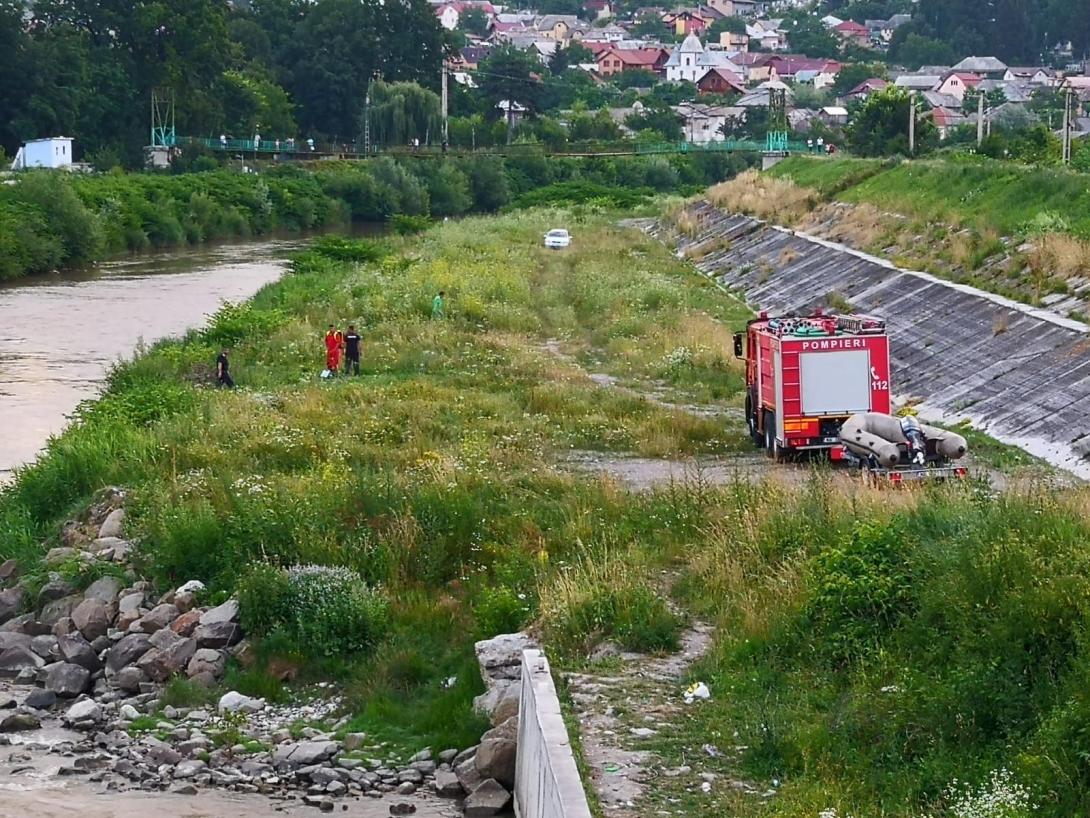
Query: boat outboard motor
x=917, y=444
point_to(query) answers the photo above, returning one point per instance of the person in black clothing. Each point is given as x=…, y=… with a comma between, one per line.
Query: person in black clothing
x=223, y=373
x=351, y=351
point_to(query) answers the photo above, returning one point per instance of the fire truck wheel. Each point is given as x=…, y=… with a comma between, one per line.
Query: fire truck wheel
x=751, y=420
x=772, y=446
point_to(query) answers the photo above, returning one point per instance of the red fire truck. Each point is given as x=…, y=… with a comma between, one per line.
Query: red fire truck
x=805, y=376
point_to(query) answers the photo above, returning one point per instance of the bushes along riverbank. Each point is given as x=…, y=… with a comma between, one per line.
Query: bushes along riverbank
x=50, y=220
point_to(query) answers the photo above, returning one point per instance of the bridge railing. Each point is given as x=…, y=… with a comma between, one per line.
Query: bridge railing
x=301, y=148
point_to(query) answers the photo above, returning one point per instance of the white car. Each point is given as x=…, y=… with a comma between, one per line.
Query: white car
x=555, y=239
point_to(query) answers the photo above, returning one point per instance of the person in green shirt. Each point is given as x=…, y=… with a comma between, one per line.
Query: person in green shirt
x=437, y=305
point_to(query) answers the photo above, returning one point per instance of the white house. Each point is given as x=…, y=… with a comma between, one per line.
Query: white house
x=53, y=152
x=684, y=62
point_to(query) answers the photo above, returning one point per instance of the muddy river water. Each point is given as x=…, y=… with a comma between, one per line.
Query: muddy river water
x=59, y=334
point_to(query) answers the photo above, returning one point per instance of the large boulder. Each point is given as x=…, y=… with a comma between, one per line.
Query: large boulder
x=157, y=618
x=218, y=634
x=488, y=799
x=500, y=661
x=186, y=624
x=10, y=639
x=58, y=609
x=16, y=659
x=108, y=589
x=67, y=680
x=11, y=602
x=206, y=666
x=130, y=678
x=73, y=648
x=45, y=646
x=113, y=524
x=447, y=784
x=227, y=612
x=92, y=618
x=128, y=609
x=168, y=657
x=496, y=759
x=501, y=656
x=304, y=753
x=17, y=722
x=127, y=651
x=55, y=588
x=467, y=774
x=9, y=569
x=84, y=713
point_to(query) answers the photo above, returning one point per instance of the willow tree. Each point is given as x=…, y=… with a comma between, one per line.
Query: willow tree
x=403, y=111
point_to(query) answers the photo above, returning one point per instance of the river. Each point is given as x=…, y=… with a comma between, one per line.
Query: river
x=61, y=333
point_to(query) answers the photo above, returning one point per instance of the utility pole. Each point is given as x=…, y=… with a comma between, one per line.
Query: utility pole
x=446, y=133
x=980, y=119
x=911, y=123
x=367, y=120
x=1068, y=110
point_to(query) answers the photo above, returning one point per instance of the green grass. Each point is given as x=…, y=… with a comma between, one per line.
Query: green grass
x=872, y=646
x=985, y=195
x=433, y=474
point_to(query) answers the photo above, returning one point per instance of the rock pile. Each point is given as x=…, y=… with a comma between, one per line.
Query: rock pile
x=486, y=773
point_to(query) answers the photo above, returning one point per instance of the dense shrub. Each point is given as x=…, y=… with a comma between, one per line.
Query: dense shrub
x=324, y=611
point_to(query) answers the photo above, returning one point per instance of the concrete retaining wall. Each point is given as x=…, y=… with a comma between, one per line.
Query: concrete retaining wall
x=547, y=783
x=1020, y=373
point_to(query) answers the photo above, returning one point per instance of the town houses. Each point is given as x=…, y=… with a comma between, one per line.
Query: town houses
x=725, y=58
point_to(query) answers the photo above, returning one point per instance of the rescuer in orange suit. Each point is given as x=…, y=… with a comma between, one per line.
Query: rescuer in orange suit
x=334, y=343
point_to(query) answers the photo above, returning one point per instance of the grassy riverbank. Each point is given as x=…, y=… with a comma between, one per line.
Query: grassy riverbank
x=434, y=474
x=871, y=647
x=50, y=220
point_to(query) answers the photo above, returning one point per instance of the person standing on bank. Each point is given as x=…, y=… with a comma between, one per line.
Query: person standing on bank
x=352, y=351
x=437, y=305
x=333, y=343
x=223, y=371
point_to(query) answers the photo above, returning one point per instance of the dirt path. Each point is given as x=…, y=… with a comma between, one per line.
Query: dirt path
x=623, y=709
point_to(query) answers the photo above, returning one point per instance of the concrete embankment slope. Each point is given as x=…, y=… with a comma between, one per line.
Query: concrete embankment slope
x=1020, y=373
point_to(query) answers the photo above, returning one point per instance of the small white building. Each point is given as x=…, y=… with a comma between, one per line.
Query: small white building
x=684, y=63
x=53, y=152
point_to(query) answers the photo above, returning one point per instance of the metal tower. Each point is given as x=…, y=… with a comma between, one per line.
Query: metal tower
x=163, y=133
x=776, y=141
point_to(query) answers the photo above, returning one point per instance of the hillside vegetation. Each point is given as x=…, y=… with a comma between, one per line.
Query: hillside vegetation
x=906, y=654
x=1018, y=231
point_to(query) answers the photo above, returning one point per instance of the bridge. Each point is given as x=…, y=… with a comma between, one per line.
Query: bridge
x=301, y=150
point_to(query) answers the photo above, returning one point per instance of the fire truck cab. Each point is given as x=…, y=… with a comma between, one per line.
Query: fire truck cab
x=805, y=376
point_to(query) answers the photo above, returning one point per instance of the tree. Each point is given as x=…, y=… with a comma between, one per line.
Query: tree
x=881, y=126
x=724, y=25
x=583, y=127
x=569, y=56
x=912, y=49
x=853, y=74
x=473, y=21
x=659, y=118
x=507, y=76
x=344, y=44
x=403, y=111
x=808, y=36
x=254, y=104
x=651, y=27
